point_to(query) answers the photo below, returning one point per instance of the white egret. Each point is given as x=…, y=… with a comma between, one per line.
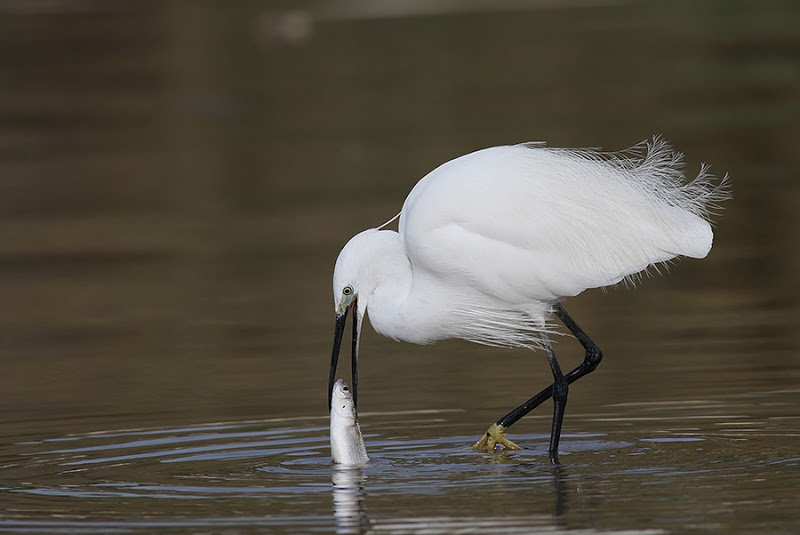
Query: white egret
x=490, y=243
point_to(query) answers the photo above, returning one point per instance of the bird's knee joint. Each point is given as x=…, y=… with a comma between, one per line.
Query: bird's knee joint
x=593, y=357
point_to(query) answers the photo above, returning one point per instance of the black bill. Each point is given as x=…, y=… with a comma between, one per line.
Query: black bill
x=338, y=334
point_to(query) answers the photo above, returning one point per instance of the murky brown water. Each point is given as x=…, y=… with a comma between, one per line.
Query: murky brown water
x=177, y=178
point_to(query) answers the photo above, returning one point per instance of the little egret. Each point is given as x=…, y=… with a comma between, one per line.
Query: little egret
x=490, y=243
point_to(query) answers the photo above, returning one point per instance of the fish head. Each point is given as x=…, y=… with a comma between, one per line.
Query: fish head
x=342, y=400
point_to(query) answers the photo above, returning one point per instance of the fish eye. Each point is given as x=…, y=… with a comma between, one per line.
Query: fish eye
x=345, y=389
x=347, y=290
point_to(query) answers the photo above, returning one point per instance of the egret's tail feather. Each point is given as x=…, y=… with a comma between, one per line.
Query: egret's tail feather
x=655, y=168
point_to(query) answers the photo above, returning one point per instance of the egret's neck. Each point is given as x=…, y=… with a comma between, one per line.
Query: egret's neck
x=387, y=305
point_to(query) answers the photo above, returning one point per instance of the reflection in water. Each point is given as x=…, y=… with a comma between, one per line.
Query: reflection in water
x=349, y=511
x=348, y=500
x=560, y=489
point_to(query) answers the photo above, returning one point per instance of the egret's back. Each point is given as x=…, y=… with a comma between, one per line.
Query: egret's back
x=527, y=224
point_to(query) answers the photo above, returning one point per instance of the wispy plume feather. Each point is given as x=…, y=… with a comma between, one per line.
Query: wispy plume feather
x=657, y=170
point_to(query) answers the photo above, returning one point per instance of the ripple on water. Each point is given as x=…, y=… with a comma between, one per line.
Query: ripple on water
x=273, y=472
x=147, y=462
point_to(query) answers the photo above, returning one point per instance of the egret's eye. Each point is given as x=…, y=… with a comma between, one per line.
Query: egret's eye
x=347, y=290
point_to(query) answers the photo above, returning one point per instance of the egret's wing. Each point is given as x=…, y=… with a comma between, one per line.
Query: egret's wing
x=528, y=223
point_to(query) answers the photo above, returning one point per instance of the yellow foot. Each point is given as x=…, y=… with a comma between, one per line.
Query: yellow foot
x=493, y=437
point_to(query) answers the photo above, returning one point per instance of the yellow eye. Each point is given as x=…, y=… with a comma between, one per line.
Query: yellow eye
x=347, y=290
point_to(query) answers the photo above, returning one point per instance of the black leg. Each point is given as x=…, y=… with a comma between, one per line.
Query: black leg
x=590, y=361
x=560, y=391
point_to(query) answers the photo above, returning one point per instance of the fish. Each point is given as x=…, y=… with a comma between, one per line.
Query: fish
x=347, y=444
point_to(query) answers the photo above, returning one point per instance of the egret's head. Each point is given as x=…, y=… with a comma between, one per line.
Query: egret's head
x=351, y=275
x=369, y=258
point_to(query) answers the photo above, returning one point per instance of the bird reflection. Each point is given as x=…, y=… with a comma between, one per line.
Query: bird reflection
x=559, y=487
x=349, y=504
x=348, y=500
x=558, y=479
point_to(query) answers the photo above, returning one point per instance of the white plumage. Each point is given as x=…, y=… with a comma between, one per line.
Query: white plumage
x=490, y=241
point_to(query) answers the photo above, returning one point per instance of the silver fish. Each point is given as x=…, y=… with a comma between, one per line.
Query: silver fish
x=347, y=444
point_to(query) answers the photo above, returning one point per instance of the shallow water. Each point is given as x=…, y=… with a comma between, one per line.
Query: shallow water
x=658, y=466
x=177, y=179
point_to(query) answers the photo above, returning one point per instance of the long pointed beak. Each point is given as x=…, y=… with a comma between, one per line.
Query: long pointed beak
x=338, y=334
x=354, y=356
